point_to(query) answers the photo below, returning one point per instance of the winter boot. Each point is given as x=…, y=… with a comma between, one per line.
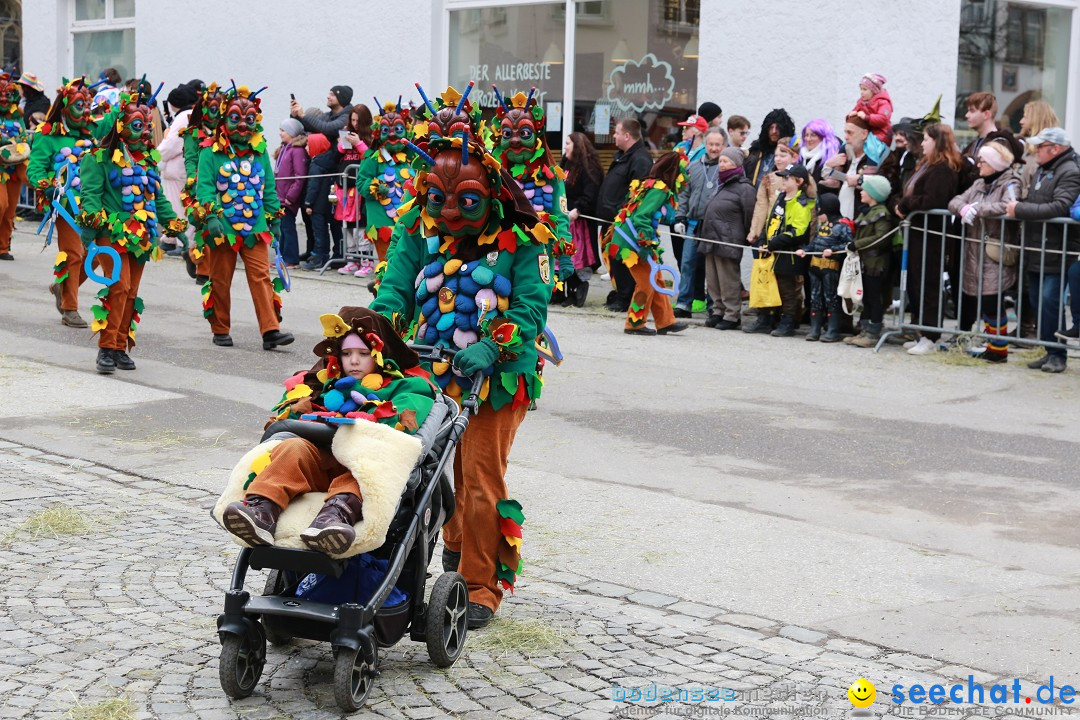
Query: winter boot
x=832, y=333
x=253, y=520
x=332, y=531
x=762, y=325
x=815, y=327
x=870, y=336
x=123, y=360
x=786, y=328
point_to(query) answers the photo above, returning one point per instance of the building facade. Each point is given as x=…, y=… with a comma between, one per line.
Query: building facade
x=592, y=61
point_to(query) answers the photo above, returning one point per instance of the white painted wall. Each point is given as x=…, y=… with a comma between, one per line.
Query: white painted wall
x=808, y=57
x=375, y=47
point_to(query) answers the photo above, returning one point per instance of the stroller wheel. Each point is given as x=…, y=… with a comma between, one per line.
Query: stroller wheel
x=447, y=619
x=276, y=582
x=241, y=663
x=354, y=675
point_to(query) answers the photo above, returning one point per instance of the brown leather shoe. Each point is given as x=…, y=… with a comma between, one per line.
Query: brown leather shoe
x=253, y=520
x=71, y=318
x=54, y=288
x=332, y=531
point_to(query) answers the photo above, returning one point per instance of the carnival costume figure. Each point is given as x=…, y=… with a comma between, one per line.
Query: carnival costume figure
x=14, y=151
x=383, y=174
x=238, y=206
x=125, y=210
x=521, y=148
x=199, y=133
x=633, y=240
x=61, y=142
x=473, y=275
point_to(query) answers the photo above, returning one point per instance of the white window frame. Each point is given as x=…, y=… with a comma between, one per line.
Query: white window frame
x=76, y=27
x=441, y=55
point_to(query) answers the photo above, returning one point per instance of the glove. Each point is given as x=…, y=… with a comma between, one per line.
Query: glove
x=275, y=229
x=88, y=235
x=214, y=228
x=851, y=248
x=478, y=356
x=967, y=214
x=679, y=227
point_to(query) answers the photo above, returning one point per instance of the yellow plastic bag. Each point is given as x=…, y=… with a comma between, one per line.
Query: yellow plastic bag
x=764, y=292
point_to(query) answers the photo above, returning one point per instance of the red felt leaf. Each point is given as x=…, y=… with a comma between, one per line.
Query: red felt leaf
x=509, y=528
x=507, y=240
x=520, y=397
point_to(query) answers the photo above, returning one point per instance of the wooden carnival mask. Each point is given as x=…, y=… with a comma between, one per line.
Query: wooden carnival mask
x=241, y=120
x=459, y=193
x=454, y=118
x=392, y=127
x=76, y=113
x=9, y=96
x=210, y=110
x=135, y=127
x=520, y=127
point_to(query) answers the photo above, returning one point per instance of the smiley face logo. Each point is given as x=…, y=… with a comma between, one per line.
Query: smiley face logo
x=862, y=693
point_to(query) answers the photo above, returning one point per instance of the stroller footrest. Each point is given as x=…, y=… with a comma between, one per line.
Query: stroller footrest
x=297, y=561
x=292, y=607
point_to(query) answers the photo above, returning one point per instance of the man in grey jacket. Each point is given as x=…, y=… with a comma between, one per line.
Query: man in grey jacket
x=339, y=100
x=700, y=188
x=1055, y=188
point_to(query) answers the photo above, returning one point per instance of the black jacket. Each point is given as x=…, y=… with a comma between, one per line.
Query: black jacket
x=581, y=192
x=727, y=217
x=317, y=193
x=633, y=164
x=1054, y=189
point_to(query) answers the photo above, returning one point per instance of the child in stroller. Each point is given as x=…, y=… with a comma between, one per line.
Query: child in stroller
x=366, y=427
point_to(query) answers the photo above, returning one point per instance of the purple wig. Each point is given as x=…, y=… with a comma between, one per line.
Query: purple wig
x=830, y=142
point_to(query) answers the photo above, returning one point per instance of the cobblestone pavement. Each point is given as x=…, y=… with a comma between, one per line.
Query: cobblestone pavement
x=127, y=608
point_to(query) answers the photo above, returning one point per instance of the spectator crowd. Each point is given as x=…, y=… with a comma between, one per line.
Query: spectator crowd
x=776, y=217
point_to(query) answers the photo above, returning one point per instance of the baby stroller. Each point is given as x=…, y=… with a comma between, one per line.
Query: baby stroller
x=356, y=630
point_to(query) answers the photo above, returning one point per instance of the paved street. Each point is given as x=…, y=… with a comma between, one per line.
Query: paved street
x=712, y=510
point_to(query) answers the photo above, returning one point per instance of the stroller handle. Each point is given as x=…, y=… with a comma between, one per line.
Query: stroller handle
x=438, y=353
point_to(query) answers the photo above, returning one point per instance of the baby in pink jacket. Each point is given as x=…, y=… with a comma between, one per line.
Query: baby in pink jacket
x=875, y=106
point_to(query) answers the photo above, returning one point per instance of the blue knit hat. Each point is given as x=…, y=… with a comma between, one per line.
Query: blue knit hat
x=877, y=187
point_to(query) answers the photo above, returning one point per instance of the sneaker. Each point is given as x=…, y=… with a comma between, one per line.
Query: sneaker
x=910, y=344
x=332, y=530
x=253, y=520
x=605, y=277
x=1037, y=364
x=713, y=320
x=312, y=264
x=698, y=306
x=365, y=270
x=925, y=346
x=479, y=615
x=349, y=268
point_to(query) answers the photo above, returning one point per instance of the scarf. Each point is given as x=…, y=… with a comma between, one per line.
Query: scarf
x=726, y=176
x=811, y=158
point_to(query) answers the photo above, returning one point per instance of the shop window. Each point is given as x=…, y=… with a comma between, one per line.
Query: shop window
x=1018, y=51
x=637, y=65
x=11, y=33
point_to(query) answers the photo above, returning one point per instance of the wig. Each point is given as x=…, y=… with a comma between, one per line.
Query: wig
x=829, y=141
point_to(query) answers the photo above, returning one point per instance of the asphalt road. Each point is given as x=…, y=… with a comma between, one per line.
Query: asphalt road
x=906, y=502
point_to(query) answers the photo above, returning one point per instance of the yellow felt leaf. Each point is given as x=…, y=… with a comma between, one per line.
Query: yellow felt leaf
x=514, y=542
x=300, y=391
x=259, y=464
x=98, y=325
x=372, y=381
x=322, y=376
x=61, y=257
x=631, y=261
x=141, y=215
x=117, y=156
x=333, y=325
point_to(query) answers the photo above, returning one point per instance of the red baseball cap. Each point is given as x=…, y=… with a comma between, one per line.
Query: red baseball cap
x=696, y=121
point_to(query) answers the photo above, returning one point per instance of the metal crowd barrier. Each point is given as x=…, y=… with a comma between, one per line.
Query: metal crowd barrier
x=1023, y=297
